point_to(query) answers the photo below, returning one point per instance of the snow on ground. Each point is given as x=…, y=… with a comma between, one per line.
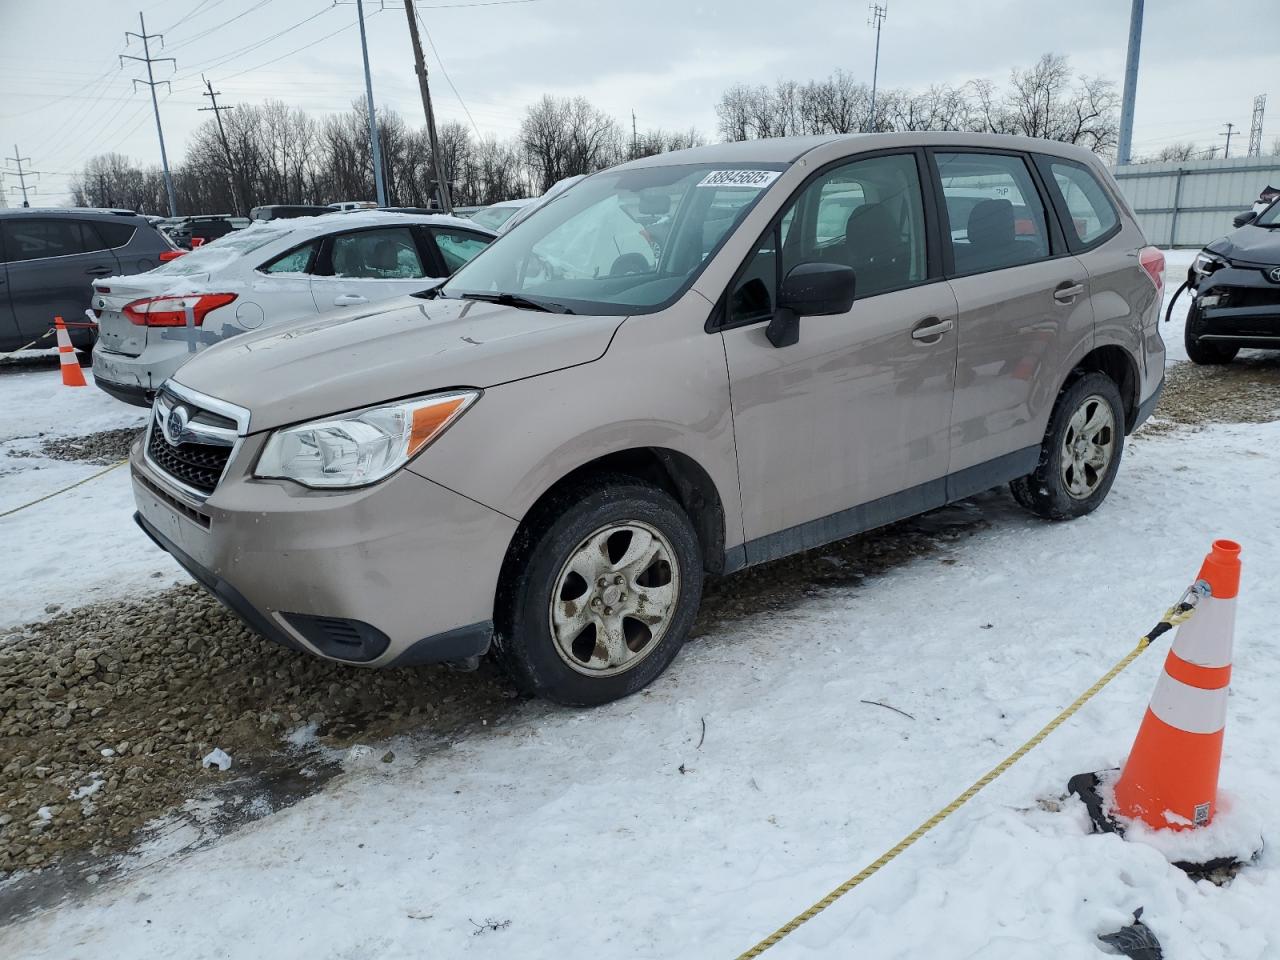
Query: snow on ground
x=581, y=830
x=622, y=832
x=93, y=551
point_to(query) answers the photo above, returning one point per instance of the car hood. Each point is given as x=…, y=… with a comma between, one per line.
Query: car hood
x=1249, y=245
x=362, y=356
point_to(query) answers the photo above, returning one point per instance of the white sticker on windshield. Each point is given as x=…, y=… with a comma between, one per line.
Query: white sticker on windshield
x=751, y=179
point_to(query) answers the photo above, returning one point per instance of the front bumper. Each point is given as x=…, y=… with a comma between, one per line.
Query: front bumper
x=401, y=572
x=1240, y=306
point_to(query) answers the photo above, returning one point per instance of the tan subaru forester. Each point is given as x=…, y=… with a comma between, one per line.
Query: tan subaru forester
x=681, y=366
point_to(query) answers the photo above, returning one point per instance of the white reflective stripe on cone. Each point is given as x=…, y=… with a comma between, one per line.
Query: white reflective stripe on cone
x=66, y=358
x=1189, y=708
x=1205, y=639
x=63, y=337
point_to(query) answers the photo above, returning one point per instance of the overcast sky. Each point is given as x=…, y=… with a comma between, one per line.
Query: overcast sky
x=63, y=97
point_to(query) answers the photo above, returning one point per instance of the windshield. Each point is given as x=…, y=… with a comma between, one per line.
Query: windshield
x=1269, y=217
x=223, y=251
x=624, y=241
x=493, y=217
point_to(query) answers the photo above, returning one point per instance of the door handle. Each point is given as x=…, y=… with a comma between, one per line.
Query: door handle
x=98, y=271
x=349, y=299
x=930, y=329
x=1068, y=291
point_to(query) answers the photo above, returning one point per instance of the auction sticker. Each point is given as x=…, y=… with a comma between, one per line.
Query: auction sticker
x=751, y=179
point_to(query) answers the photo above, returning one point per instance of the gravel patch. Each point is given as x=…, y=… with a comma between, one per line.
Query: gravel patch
x=109, y=446
x=107, y=710
x=1246, y=390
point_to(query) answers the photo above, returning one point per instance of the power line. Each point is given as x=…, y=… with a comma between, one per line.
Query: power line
x=222, y=135
x=185, y=17
x=447, y=78
x=249, y=48
x=305, y=46
x=258, y=5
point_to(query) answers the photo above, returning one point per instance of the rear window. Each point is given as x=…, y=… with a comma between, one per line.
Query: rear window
x=1092, y=214
x=115, y=234
x=225, y=251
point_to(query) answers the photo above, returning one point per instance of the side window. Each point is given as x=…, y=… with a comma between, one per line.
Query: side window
x=388, y=254
x=457, y=246
x=39, y=239
x=996, y=216
x=90, y=239
x=296, y=260
x=1091, y=212
x=868, y=214
x=115, y=234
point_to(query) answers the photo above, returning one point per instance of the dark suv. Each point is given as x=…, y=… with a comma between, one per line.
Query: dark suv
x=202, y=228
x=49, y=258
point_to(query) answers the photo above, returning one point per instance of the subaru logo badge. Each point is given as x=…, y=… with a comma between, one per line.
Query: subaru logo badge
x=176, y=424
x=1274, y=275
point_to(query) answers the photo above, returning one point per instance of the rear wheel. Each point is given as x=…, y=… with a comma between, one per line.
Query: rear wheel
x=1204, y=351
x=603, y=594
x=1080, y=454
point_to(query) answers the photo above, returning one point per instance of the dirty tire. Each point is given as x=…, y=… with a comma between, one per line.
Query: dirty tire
x=1200, y=351
x=1045, y=491
x=524, y=642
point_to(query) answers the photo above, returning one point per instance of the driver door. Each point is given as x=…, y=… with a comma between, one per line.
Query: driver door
x=365, y=266
x=848, y=428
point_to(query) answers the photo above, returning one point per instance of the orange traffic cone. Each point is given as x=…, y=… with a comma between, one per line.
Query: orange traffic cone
x=72, y=375
x=1171, y=776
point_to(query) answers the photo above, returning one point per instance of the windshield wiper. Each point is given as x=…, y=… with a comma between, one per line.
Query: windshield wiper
x=431, y=292
x=518, y=301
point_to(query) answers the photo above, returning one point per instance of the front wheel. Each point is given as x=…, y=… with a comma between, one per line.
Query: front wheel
x=1204, y=351
x=1080, y=454
x=603, y=594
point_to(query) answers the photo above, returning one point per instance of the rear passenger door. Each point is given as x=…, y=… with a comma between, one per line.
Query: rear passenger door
x=365, y=266
x=1023, y=311
x=51, y=264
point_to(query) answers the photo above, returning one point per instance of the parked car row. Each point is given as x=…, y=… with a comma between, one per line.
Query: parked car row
x=676, y=368
x=151, y=323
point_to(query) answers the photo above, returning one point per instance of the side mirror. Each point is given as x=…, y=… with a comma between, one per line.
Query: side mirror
x=809, y=290
x=1241, y=219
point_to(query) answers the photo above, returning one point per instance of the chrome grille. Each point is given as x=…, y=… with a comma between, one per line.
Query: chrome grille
x=191, y=443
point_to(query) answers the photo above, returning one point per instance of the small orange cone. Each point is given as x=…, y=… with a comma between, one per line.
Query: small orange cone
x=1171, y=777
x=72, y=375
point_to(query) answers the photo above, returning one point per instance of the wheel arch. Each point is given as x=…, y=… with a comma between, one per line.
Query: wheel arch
x=1118, y=364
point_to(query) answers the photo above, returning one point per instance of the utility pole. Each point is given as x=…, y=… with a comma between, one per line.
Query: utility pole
x=420, y=65
x=1255, y=130
x=1124, y=147
x=155, y=104
x=18, y=160
x=374, y=145
x=1226, y=153
x=212, y=94
x=878, y=11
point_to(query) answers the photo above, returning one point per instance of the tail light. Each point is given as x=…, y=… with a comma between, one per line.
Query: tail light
x=197, y=242
x=167, y=255
x=172, y=311
x=1152, y=261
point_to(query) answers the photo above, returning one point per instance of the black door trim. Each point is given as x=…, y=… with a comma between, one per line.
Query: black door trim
x=878, y=513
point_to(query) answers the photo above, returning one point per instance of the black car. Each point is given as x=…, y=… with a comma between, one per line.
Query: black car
x=1236, y=283
x=50, y=257
x=202, y=228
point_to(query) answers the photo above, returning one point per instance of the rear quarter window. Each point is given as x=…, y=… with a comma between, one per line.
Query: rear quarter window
x=1090, y=214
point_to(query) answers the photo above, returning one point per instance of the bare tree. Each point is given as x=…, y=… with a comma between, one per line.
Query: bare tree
x=564, y=137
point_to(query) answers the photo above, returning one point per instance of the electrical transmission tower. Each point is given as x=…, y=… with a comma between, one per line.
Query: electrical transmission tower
x=876, y=19
x=18, y=160
x=212, y=94
x=152, y=82
x=1255, y=129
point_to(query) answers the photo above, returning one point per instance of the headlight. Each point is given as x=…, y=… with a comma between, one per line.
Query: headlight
x=361, y=447
x=1205, y=263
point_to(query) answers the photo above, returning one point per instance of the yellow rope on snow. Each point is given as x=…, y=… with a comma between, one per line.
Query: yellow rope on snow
x=1177, y=614
x=72, y=486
